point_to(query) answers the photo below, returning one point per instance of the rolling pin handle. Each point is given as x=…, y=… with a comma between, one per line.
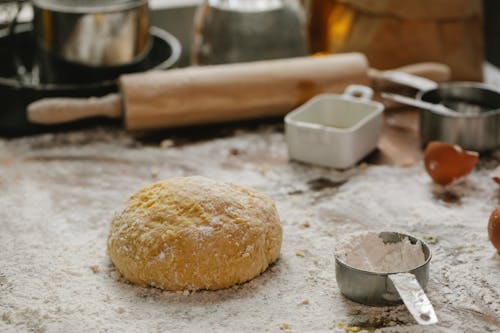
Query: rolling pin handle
x=49, y=111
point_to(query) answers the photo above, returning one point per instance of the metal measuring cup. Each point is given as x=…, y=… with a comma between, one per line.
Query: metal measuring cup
x=474, y=122
x=382, y=289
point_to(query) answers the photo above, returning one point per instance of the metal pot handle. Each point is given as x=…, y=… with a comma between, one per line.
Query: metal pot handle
x=361, y=92
x=414, y=298
x=21, y=71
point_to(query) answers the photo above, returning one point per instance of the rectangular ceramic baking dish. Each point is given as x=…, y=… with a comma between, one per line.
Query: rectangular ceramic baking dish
x=335, y=130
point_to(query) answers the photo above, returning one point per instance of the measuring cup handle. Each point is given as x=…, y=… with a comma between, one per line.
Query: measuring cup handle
x=359, y=91
x=408, y=80
x=414, y=298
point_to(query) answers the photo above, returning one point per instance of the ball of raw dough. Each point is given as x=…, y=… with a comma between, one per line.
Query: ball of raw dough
x=194, y=233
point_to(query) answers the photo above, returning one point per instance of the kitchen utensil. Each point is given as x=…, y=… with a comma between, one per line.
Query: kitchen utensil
x=438, y=108
x=93, y=32
x=381, y=289
x=432, y=71
x=17, y=94
x=335, y=130
x=210, y=94
x=475, y=124
x=258, y=30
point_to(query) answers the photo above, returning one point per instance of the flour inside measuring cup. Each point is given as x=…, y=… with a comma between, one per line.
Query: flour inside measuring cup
x=367, y=251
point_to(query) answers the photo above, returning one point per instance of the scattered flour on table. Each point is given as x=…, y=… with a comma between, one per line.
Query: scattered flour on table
x=59, y=192
x=368, y=251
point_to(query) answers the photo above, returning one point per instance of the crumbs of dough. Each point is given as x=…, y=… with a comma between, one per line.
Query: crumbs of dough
x=284, y=326
x=305, y=301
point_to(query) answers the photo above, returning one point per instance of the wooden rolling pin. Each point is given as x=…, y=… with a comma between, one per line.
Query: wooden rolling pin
x=213, y=94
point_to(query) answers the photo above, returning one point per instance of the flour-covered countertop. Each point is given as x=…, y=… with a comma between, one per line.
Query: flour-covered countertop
x=59, y=192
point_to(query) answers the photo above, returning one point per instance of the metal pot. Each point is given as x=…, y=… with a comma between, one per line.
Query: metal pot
x=475, y=124
x=16, y=94
x=93, y=32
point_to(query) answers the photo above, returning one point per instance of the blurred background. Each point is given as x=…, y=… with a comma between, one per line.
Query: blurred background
x=176, y=16
x=462, y=34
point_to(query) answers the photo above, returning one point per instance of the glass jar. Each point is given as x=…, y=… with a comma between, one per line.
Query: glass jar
x=394, y=33
x=229, y=31
x=329, y=24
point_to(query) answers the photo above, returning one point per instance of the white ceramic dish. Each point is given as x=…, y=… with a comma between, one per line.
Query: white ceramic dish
x=335, y=130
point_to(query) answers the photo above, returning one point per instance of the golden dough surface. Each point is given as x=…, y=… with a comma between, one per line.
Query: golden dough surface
x=191, y=233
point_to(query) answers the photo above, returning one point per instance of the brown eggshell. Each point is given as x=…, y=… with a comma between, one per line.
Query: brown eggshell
x=446, y=163
x=495, y=175
x=494, y=229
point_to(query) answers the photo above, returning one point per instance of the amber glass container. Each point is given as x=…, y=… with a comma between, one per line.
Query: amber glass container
x=394, y=33
x=329, y=22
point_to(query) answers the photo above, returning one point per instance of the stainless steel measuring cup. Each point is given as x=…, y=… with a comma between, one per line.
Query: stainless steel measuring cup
x=382, y=289
x=475, y=123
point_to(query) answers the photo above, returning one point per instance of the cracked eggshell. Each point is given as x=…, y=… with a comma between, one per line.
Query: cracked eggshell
x=494, y=228
x=446, y=163
x=495, y=175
